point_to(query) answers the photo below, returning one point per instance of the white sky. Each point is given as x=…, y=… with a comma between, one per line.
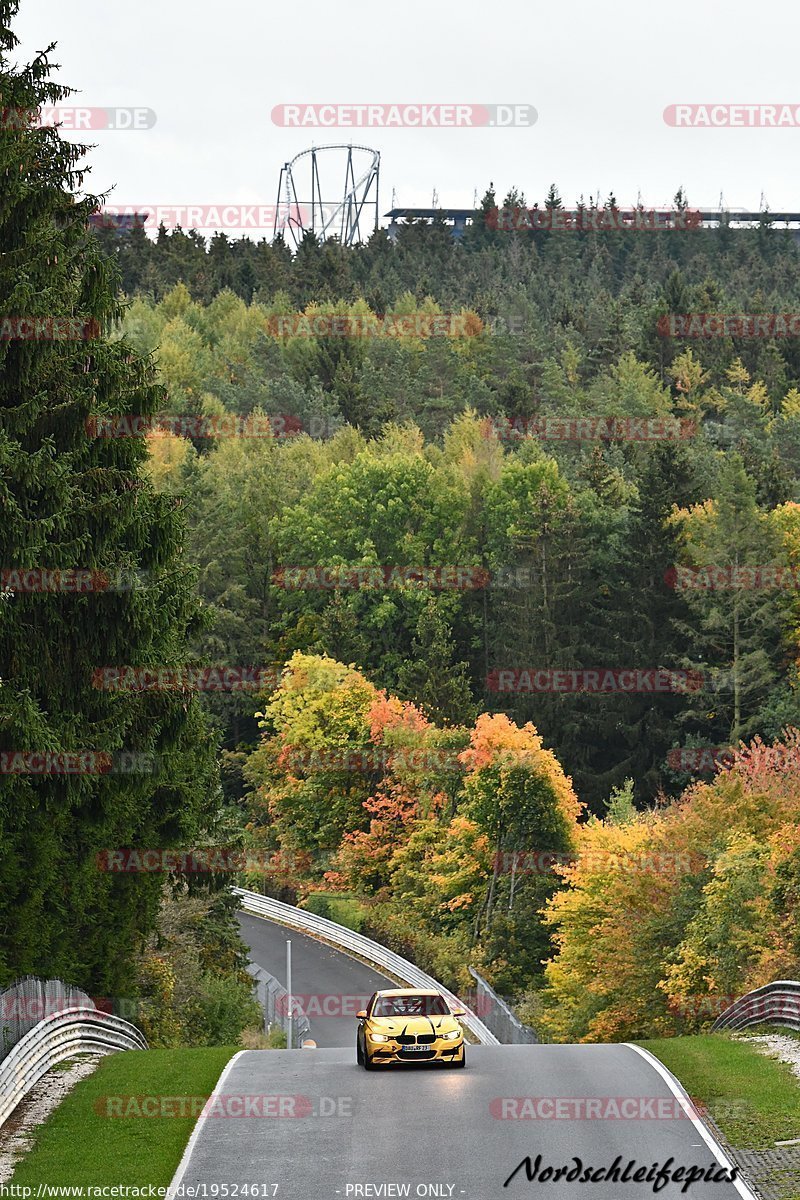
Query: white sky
x=599, y=75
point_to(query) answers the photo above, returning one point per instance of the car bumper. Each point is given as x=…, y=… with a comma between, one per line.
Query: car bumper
x=438, y=1051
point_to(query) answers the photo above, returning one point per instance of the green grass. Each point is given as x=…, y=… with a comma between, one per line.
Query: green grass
x=754, y=1099
x=80, y=1145
x=339, y=907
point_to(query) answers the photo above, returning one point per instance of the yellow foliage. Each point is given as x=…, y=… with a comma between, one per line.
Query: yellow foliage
x=166, y=458
x=687, y=373
x=496, y=738
x=737, y=375
x=630, y=961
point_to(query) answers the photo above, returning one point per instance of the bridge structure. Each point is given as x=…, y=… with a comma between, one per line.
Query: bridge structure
x=458, y=220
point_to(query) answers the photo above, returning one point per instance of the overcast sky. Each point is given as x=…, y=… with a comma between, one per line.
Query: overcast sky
x=599, y=75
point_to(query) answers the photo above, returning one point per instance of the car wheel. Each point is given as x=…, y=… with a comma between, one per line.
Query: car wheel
x=461, y=1062
x=359, y=1055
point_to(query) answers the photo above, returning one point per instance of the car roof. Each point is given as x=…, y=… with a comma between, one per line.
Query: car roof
x=408, y=992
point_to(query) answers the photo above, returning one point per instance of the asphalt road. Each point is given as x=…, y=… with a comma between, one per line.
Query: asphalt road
x=331, y=986
x=331, y=1130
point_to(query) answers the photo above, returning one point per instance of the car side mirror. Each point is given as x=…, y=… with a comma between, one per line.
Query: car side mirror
x=361, y=1016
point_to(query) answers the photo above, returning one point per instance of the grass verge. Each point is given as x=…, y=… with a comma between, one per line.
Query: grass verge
x=340, y=907
x=80, y=1145
x=754, y=1099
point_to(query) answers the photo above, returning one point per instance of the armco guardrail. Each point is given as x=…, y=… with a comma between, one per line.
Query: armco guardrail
x=58, y=1037
x=776, y=1003
x=501, y=1019
x=362, y=947
x=274, y=1000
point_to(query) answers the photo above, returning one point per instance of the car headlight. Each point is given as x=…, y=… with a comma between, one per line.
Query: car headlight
x=451, y=1037
x=379, y=1037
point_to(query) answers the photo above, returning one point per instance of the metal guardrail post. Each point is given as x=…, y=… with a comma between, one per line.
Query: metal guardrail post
x=275, y=1001
x=776, y=1003
x=58, y=1037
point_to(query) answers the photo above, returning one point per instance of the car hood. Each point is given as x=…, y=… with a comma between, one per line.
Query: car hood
x=414, y=1025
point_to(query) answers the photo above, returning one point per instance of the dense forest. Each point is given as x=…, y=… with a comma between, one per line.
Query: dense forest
x=572, y=477
x=604, y=497
x=519, y=560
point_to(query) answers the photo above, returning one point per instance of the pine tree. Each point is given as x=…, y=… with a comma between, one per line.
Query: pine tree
x=736, y=633
x=73, y=500
x=553, y=198
x=431, y=676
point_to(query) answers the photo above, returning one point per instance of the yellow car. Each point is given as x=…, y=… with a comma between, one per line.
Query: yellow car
x=404, y=1025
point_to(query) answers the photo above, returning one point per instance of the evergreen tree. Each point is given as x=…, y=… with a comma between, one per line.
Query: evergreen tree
x=736, y=633
x=431, y=676
x=72, y=500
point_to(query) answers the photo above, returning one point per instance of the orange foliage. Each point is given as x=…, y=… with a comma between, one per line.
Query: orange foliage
x=644, y=901
x=496, y=738
x=389, y=713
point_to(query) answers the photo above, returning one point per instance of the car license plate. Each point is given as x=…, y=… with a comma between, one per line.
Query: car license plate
x=416, y=1049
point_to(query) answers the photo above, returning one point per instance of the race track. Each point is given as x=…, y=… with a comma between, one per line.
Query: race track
x=321, y=1128
x=331, y=985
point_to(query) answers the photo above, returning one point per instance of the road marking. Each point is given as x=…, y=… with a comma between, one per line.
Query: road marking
x=201, y=1120
x=680, y=1093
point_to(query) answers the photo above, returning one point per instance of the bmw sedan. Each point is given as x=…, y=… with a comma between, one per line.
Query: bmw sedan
x=404, y=1025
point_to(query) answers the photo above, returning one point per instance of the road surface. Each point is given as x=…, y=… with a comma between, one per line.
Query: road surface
x=331, y=985
x=326, y=1129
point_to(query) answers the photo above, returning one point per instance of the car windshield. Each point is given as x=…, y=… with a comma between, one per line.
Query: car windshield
x=410, y=1006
